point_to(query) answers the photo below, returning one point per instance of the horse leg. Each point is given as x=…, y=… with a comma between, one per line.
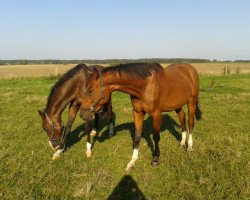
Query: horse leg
x=96, y=127
x=157, y=120
x=182, y=119
x=89, y=145
x=111, y=124
x=111, y=119
x=138, y=120
x=191, y=113
x=73, y=109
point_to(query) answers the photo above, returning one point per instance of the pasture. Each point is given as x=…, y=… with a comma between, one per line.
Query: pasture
x=218, y=168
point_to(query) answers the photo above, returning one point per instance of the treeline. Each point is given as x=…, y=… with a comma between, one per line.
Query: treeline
x=110, y=61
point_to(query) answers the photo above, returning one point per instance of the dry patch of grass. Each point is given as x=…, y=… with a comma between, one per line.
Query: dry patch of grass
x=53, y=70
x=217, y=68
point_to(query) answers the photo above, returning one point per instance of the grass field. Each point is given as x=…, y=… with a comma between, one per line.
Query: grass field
x=217, y=169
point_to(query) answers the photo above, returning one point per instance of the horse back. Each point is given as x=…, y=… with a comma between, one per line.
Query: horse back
x=184, y=73
x=181, y=83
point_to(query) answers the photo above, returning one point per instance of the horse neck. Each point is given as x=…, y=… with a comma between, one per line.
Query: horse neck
x=60, y=98
x=124, y=83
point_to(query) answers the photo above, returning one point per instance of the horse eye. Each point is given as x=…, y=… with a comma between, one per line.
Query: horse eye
x=90, y=91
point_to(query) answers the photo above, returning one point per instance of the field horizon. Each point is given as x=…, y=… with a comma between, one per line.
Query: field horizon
x=38, y=70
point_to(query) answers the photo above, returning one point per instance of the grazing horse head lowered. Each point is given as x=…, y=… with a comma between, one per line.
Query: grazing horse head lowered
x=152, y=90
x=70, y=90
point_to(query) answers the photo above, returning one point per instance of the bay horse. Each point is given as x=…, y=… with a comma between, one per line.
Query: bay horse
x=70, y=90
x=152, y=90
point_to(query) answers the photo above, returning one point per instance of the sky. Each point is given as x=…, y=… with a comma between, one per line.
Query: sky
x=124, y=29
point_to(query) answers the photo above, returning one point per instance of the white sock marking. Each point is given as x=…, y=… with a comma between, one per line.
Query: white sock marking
x=132, y=161
x=183, y=138
x=57, y=154
x=135, y=154
x=88, y=151
x=190, y=141
x=93, y=132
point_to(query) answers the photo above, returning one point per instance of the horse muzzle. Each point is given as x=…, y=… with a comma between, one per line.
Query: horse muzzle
x=54, y=146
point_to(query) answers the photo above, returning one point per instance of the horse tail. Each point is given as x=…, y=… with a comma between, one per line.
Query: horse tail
x=198, y=113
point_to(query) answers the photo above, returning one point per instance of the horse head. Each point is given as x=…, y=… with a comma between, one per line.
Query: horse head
x=97, y=94
x=54, y=129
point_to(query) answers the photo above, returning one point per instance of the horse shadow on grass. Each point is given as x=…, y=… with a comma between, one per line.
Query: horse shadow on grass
x=168, y=123
x=126, y=189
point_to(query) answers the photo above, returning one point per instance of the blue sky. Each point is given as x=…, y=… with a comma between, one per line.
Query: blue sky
x=106, y=29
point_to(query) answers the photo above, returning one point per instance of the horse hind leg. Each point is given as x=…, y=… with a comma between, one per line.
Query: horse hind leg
x=182, y=119
x=191, y=113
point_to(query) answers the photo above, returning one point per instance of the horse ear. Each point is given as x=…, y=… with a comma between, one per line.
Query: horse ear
x=41, y=113
x=96, y=73
x=90, y=71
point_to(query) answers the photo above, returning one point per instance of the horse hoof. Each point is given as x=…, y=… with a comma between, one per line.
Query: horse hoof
x=155, y=161
x=55, y=157
x=88, y=154
x=189, y=149
x=129, y=168
x=93, y=133
x=57, y=154
x=182, y=144
x=110, y=136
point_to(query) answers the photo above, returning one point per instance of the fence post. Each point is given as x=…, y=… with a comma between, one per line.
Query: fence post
x=56, y=71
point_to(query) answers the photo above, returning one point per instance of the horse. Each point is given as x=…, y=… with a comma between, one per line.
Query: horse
x=152, y=90
x=70, y=90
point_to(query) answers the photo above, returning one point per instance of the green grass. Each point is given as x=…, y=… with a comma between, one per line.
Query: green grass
x=217, y=169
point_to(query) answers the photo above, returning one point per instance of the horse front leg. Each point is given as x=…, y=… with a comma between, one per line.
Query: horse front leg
x=73, y=109
x=111, y=124
x=111, y=119
x=157, y=120
x=89, y=145
x=96, y=126
x=138, y=120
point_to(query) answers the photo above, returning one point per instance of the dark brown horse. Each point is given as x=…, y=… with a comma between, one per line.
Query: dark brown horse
x=153, y=90
x=70, y=90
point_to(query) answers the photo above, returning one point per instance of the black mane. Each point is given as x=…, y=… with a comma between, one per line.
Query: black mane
x=141, y=70
x=68, y=75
